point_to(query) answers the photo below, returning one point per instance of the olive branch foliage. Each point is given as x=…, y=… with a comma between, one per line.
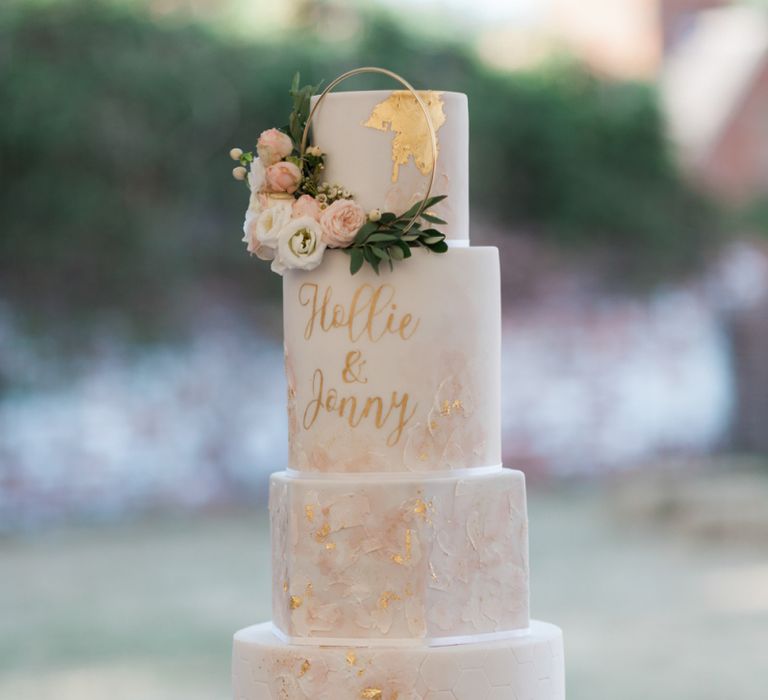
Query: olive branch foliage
x=389, y=239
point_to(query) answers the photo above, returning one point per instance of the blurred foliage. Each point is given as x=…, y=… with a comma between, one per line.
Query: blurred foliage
x=115, y=130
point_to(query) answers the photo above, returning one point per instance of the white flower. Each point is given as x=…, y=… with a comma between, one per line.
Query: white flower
x=256, y=176
x=272, y=220
x=239, y=173
x=250, y=230
x=236, y=153
x=300, y=246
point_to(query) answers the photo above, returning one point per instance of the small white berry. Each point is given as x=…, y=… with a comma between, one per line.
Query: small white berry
x=236, y=153
x=374, y=215
x=239, y=173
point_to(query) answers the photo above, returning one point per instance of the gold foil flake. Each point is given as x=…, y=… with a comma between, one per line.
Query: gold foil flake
x=447, y=407
x=309, y=511
x=285, y=586
x=423, y=457
x=399, y=558
x=433, y=426
x=401, y=113
x=330, y=546
x=296, y=602
x=371, y=694
x=304, y=668
x=386, y=598
x=351, y=658
x=322, y=533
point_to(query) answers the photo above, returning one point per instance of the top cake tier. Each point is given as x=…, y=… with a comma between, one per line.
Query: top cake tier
x=377, y=144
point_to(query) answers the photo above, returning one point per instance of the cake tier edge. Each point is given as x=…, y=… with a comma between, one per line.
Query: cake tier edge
x=529, y=666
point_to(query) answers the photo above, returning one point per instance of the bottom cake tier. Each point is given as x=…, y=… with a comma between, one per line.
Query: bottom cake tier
x=524, y=667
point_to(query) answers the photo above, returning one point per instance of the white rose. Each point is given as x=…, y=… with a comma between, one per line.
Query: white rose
x=256, y=176
x=250, y=238
x=272, y=220
x=300, y=246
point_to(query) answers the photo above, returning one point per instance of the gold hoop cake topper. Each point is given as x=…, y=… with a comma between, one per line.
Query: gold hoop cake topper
x=422, y=105
x=293, y=215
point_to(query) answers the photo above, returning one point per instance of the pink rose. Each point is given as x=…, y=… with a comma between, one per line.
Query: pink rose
x=283, y=177
x=273, y=145
x=341, y=221
x=306, y=206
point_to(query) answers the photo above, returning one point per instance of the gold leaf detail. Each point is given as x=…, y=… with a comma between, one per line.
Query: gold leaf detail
x=323, y=532
x=386, y=598
x=351, y=658
x=296, y=602
x=371, y=694
x=309, y=511
x=305, y=667
x=330, y=546
x=401, y=113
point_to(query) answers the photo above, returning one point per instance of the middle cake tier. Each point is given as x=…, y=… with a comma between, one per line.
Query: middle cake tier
x=401, y=559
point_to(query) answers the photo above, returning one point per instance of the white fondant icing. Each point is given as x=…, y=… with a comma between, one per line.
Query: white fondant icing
x=360, y=157
x=399, y=560
x=441, y=373
x=529, y=667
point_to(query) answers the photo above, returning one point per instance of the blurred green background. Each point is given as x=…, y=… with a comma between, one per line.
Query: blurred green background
x=619, y=159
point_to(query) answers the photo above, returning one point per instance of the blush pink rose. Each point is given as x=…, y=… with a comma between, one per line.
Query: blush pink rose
x=306, y=205
x=273, y=145
x=283, y=177
x=341, y=221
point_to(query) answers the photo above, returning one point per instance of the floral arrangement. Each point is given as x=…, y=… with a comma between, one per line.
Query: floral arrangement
x=293, y=215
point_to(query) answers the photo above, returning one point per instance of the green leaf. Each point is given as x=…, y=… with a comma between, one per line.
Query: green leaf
x=382, y=238
x=432, y=218
x=441, y=247
x=387, y=217
x=356, y=259
x=396, y=253
x=371, y=258
x=365, y=231
x=434, y=200
x=431, y=240
x=380, y=252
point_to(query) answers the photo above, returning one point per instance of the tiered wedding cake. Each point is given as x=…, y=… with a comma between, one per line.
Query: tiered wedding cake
x=400, y=545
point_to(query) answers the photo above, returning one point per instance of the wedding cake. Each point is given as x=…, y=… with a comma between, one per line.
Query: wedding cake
x=399, y=543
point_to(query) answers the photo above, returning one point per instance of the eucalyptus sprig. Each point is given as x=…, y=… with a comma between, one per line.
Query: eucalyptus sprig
x=302, y=100
x=387, y=239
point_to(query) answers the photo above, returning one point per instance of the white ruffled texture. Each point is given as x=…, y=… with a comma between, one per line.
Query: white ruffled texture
x=400, y=559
